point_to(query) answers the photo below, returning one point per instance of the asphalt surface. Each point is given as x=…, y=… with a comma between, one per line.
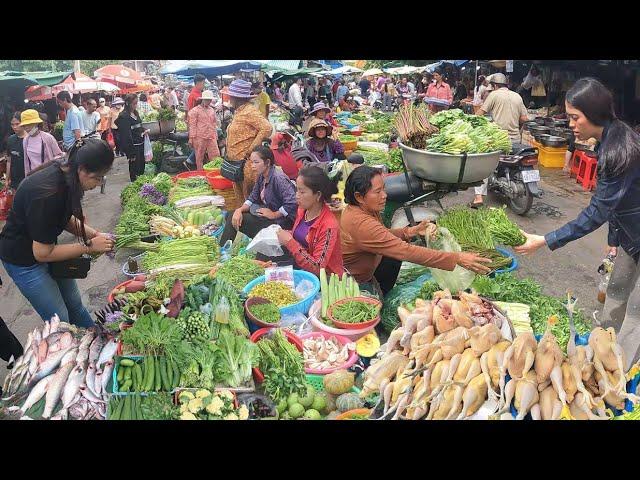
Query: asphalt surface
x=572, y=267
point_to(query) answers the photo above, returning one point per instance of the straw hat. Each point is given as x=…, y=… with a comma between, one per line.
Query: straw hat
x=29, y=117
x=207, y=95
x=315, y=123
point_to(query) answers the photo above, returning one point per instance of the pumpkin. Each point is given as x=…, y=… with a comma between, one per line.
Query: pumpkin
x=348, y=401
x=368, y=345
x=331, y=402
x=338, y=382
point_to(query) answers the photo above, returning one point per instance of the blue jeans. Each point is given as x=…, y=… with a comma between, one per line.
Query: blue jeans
x=49, y=295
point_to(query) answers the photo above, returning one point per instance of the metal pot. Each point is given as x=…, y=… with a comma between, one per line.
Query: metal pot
x=549, y=122
x=538, y=130
x=564, y=133
x=554, y=141
x=540, y=136
x=539, y=120
x=527, y=125
x=561, y=122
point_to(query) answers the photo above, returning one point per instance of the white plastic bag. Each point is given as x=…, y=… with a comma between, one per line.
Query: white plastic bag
x=148, y=151
x=304, y=289
x=266, y=242
x=460, y=278
x=296, y=323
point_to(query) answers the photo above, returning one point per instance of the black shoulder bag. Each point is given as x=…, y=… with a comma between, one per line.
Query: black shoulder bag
x=72, y=268
x=232, y=170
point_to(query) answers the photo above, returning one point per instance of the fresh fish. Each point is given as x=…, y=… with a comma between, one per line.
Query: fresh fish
x=97, y=388
x=90, y=379
x=102, y=411
x=43, y=350
x=86, y=340
x=37, y=338
x=95, y=349
x=33, y=364
x=71, y=389
x=106, y=375
x=36, y=393
x=89, y=395
x=107, y=353
x=83, y=357
x=49, y=365
x=46, y=330
x=70, y=356
x=18, y=380
x=56, y=387
x=54, y=323
x=79, y=407
x=61, y=415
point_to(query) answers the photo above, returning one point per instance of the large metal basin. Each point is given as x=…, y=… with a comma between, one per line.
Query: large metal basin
x=445, y=168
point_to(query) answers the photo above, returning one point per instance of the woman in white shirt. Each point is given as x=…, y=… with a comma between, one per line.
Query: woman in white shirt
x=480, y=93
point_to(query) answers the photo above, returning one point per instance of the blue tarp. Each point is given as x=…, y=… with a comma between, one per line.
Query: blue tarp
x=208, y=67
x=331, y=64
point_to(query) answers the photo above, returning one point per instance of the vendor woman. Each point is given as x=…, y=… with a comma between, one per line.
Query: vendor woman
x=589, y=105
x=48, y=202
x=321, y=112
x=314, y=241
x=371, y=252
x=324, y=148
x=272, y=200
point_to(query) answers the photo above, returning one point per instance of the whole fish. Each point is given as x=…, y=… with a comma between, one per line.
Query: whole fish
x=79, y=407
x=36, y=393
x=61, y=415
x=72, y=387
x=97, y=388
x=89, y=395
x=107, y=353
x=43, y=350
x=33, y=364
x=46, y=330
x=90, y=378
x=55, y=388
x=95, y=349
x=54, y=323
x=106, y=375
x=83, y=357
x=86, y=340
x=70, y=356
x=49, y=365
x=18, y=379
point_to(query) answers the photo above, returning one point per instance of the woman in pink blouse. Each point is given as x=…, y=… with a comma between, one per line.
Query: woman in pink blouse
x=39, y=147
x=440, y=90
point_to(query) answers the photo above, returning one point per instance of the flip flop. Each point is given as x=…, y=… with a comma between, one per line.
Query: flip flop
x=475, y=206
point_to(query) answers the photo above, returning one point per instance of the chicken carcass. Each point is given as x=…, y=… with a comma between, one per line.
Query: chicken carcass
x=451, y=404
x=608, y=355
x=569, y=381
x=460, y=313
x=580, y=409
x=474, y=396
x=519, y=357
x=422, y=337
x=524, y=391
x=442, y=317
x=468, y=368
x=548, y=354
x=550, y=404
x=386, y=367
x=483, y=338
x=425, y=309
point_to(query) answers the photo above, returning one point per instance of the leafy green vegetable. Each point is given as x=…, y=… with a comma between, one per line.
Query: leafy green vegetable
x=165, y=114
x=154, y=334
x=239, y=271
x=266, y=312
x=467, y=227
x=240, y=355
x=503, y=230
x=466, y=133
x=428, y=289
x=201, y=250
x=159, y=407
x=282, y=365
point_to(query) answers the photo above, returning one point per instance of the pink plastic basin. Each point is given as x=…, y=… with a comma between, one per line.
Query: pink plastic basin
x=353, y=358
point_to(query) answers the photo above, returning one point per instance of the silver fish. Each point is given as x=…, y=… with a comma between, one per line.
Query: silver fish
x=86, y=340
x=33, y=364
x=107, y=353
x=18, y=379
x=79, y=407
x=36, y=393
x=97, y=388
x=106, y=375
x=83, y=357
x=70, y=356
x=89, y=395
x=46, y=330
x=61, y=415
x=49, y=365
x=71, y=389
x=55, y=388
x=95, y=349
x=90, y=378
x=54, y=323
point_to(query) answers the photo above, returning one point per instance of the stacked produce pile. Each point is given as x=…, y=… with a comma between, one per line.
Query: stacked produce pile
x=440, y=363
x=64, y=373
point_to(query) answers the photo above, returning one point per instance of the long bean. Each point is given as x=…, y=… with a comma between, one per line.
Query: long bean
x=355, y=312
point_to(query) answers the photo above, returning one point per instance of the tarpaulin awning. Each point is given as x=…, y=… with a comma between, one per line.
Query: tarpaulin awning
x=280, y=65
x=333, y=64
x=48, y=78
x=371, y=72
x=208, y=67
x=344, y=70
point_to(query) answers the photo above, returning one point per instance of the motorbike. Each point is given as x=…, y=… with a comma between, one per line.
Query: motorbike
x=516, y=178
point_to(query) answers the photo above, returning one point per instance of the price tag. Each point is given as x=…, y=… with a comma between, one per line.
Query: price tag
x=280, y=274
x=529, y=176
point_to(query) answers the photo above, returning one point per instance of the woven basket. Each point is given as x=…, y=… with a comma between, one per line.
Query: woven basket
x=231, y=202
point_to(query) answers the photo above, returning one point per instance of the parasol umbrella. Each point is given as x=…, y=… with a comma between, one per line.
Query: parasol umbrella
x=118, y=73
x=371, y=72
x=38, y=93
x=83, y=84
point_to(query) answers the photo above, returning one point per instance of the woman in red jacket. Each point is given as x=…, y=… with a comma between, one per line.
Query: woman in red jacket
x=314, y=241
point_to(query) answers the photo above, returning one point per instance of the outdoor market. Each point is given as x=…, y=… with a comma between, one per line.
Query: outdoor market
x=320, y=240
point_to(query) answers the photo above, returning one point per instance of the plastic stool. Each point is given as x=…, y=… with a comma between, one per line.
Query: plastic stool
x=575, y=163
x=587, y=172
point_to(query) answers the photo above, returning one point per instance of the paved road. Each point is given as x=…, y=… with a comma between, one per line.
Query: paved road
x=572, y=267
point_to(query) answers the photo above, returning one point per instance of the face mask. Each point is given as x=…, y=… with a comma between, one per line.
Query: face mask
x=33, y=132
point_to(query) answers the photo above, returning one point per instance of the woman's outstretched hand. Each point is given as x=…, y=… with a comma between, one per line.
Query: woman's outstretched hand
x=533, y=243
x=474, y=262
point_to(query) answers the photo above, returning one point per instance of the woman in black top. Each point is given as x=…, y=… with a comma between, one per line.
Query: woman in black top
x=15, y=165
x=132, y=135
x=48, y=202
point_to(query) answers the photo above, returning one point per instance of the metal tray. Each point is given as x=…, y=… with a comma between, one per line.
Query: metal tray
x=553, y=141
x=452, y=169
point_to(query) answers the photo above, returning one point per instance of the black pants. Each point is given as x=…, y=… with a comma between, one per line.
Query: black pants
x=136, y=162
x=387, y=273
x=9, y=344
x=251, y=225
x=296, y=116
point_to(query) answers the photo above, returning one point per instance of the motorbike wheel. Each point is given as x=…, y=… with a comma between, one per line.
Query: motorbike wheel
x=522, y=204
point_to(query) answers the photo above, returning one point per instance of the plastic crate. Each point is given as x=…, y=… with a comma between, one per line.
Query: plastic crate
x=115, y=388
x=316, y=381
x=303, y=305
x=551, y=157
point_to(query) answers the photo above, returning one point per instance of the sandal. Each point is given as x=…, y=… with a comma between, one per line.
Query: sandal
x=475, y=205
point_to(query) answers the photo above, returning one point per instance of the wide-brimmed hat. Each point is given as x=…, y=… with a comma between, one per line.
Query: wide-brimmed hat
x=319, y=106
x=315, y=123
x=240, y=89
x=117, y=101
x=498, y=78
x=29, y=117
x=206, y=95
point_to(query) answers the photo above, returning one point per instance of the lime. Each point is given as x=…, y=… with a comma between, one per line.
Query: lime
x=319, y=403
x=282, y=406
x=307, y=400
x=293, y=398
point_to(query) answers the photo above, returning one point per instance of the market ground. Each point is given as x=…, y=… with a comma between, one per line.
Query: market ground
x=573, y=267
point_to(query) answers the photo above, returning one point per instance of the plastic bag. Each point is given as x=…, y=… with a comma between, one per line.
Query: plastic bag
x=266, y=242
x=296, y=323
x=148, y=151
x=460, y=278
x=400, y=295
x=304, y=289
x=6, y=201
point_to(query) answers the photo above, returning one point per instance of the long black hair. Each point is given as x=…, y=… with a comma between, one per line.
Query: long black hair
x=265, y=153
x=128, y=103
x=317, y=180
x=621, y=147
x=359, y=181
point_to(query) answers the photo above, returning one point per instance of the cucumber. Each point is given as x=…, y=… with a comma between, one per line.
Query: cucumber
x=120, y=377
x=137, y=371
x=170, y=374
x=134, y=407
x=127, y=373
x=127, y=362
x=117, y=410
x=157, y=376
x=148, y=386
x=127, y=386
x=145, y=373
x=166, y=386
x=176, y=375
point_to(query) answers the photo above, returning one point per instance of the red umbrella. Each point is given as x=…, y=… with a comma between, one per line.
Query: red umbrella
x=38, y=93
x=118, y=73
